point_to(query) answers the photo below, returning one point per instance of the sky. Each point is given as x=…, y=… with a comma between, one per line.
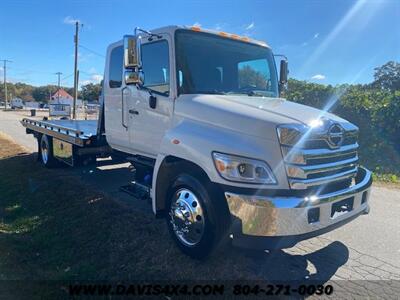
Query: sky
x=328, y=42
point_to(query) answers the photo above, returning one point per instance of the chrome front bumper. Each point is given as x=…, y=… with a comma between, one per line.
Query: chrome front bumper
x=279, y=217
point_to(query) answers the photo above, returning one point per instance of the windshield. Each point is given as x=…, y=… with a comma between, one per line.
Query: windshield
x=209, y=64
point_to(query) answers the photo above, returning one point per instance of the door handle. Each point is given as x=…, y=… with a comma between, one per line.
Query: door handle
x=133, y=112
x=123, y=108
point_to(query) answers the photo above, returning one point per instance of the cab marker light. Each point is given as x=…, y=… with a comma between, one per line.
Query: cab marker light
x=195, y=28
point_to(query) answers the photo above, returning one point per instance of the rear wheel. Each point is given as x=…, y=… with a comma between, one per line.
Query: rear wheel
x=192, y=216
x=46, y=151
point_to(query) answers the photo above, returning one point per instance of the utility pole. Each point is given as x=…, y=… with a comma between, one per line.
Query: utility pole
x=76, y=40
x=5, y=61
x=58, y=91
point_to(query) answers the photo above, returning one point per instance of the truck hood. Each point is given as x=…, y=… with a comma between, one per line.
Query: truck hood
x=257, y=116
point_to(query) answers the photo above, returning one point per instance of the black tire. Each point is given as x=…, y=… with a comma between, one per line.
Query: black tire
x=215, y=214
x=46, y=152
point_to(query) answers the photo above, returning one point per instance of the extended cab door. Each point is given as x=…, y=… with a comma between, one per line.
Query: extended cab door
x=147, y=124
x=115, y=105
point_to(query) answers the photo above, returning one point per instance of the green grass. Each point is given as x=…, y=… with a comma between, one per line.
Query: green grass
x=53, y=226
x=386, y=177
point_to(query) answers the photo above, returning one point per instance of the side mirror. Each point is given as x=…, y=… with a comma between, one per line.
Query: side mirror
x=132, y=60
x=134, y=77
x=283, y=77
x=283, y=74
x=132, y=55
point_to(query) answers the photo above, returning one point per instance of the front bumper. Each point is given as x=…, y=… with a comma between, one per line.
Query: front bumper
x=280, y=222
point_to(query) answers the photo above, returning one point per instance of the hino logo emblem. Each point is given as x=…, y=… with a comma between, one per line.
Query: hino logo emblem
x=335, y=135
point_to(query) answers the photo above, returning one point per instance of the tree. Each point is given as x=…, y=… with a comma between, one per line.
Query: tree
x=91, y=92
x=317, y=95
x=70, y=90
x=248, y=77
x=42, y=93
x=20, y=90
x=387, y=77
x=23, y=91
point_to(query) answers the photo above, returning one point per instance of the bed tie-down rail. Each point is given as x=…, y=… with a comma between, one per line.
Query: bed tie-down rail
x=77, y=132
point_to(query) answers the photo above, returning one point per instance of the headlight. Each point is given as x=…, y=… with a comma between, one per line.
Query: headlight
x=291, y=134
x=243, y=169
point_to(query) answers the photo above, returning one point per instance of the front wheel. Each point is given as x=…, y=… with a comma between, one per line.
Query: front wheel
x=192, y=217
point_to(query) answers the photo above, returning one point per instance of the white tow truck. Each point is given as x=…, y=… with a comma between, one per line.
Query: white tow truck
x=199, y=114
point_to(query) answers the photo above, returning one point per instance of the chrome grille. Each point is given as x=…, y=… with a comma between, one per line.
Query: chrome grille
x=315, y=163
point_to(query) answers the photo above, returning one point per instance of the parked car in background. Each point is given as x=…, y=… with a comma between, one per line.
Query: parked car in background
x=17, y=103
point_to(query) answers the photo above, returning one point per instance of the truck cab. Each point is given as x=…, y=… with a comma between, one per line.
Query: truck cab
x=225, y=156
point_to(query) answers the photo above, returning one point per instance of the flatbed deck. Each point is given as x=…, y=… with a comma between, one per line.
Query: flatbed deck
x=77, y=132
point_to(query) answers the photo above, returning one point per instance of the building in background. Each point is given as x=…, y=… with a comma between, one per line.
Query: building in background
x=61, y=94
x=62, y=97
x=32, y=104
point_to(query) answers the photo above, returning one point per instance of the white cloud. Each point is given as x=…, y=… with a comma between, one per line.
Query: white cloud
x=70, y=20
x=196, y=24
x=250, y=26
x=220, y=26
x=85, y=82
x=83, y=57
x=316, y=35
x=94, y=78
x=318, y=77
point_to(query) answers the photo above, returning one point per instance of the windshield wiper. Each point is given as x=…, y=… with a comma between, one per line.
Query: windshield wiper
x=211, y=92
x=255, y=93
x=247, y=93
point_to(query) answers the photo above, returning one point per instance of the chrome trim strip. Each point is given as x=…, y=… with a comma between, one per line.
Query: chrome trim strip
x=319, y=153
x=324, y=136
x=305, y=183
x=311, y=169
x=314, y=169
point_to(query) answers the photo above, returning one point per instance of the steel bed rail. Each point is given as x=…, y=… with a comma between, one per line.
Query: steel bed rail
x=68, y=134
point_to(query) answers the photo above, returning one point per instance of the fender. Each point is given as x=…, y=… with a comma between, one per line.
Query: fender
x=195, y=141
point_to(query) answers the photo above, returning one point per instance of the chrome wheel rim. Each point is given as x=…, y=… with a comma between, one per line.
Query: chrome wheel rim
x=45, y=152
x=187, y=217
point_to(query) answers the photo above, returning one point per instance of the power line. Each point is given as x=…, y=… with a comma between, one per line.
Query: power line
x=87, y=73
x=92, y=51
x=66, y=77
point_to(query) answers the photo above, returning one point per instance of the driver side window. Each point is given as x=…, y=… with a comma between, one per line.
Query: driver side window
x=155, y=64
